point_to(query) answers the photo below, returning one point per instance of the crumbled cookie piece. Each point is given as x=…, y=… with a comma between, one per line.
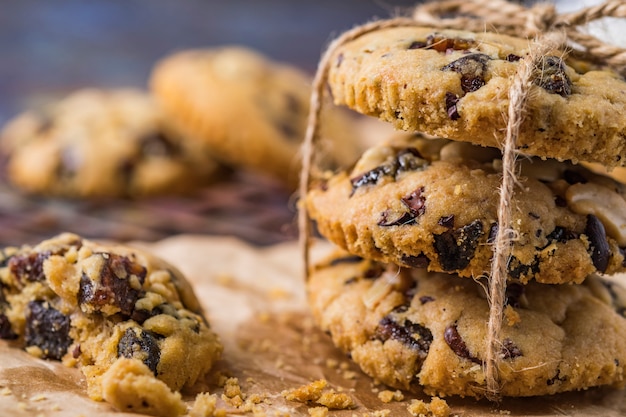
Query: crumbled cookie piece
x=388, y=396
x=436, y=408
x=205, y=405
x=128, y=320
x=316, y=392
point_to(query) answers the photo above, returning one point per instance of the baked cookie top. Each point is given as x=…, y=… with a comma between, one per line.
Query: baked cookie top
x=102, y=143
x=108, y=309
x=418, y=330
x=455, y=84
x=432, y=203
x=250, y=109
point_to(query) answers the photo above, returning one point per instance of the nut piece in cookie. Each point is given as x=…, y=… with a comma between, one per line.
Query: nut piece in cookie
x=128, y=320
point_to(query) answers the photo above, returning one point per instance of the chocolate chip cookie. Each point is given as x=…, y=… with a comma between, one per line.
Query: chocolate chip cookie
x=251, y=110
x=119, y=314
x=98, y=143
x=432, y=203
x=455, y=84
x=419, y=330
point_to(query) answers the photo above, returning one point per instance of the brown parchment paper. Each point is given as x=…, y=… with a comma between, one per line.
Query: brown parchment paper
x=255, y=300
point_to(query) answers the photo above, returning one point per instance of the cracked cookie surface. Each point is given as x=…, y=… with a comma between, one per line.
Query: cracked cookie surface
x=432, y=203
x=417, y=330
x=115, y=312
x=455, y=84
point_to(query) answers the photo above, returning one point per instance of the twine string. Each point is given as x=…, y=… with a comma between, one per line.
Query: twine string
x=518, y=97
x=313, y=123
x=550, y=31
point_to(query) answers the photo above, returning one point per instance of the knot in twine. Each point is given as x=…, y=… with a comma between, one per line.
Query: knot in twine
x=548, y=31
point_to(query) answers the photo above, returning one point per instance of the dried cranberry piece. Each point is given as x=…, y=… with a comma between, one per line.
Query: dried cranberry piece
x=419, y=261
x=556, y=378
x=561, y=234
x=115, y=286
x=417, y=45
x=457, y=344
x=509, y=349
x=456, y=247
x=426, y=299
x=446, y=221
x=518, y=270
x=139, y=344
x=451, y=108
x=407, y=159
x=413, y=335
x=600, y=251
x=47, y=329
x=493, y=232
x=415, y=202
x=372, y=176
x=472, y=69
x=407, y=218
x=29, y=267
x=551, y=76
x=6, y=332
x=513, y=57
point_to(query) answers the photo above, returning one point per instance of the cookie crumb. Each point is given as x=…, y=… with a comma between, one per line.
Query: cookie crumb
x=388, y=396
x=314, y=392
x=205, y=405
x=512, y=316
x=5, y=391
x=310, y=392
x=349, y=375
x=335, y=400
x=318, y=412
x=378, y=413
x=38, y=397
x=332, y=363
x=232, y=393
x=436, y=408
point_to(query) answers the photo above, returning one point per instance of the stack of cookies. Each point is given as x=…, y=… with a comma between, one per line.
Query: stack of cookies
x=415, y=218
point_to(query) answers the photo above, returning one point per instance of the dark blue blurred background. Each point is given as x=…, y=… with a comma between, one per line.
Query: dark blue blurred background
x=51, y=47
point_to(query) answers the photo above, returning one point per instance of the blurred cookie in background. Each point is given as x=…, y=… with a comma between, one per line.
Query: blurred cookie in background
x=252, y=111
x=98, y=143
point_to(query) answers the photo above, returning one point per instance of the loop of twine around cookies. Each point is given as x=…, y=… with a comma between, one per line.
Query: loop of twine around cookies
x=550, y=31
